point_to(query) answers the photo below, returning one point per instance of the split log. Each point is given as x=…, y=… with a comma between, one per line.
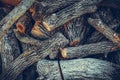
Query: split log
x=13, y=16
x=88, y=49
x=25, y=23
x=31, y=56
x=105, y=14
x=78, y=69
x=105, y=30
x=75, y=10
x=76, y=31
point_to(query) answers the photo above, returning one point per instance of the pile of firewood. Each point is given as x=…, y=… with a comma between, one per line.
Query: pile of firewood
x=57, y=34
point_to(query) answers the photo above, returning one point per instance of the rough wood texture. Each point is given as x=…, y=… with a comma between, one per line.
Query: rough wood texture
x=79, y=69
x=9, y=49
x=33, y=55
x=88, y=49
x=76, y=31
x=16, y=13
x=25, y=23
x=46, y=7
x=50, y=70
x=25, y=38
x=105, y=14
x=105, y=30
x=75, y=10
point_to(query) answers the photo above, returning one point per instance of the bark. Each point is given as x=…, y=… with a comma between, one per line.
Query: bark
x=61, y=16
x=105, y=14
x=9, y=49
x=75, y=10
x=31, y=56
x=76, y=31
x=13, y=16
x=79, y=69
x=105, y=30
x=25, y=38
x=25, y=23
x=88, y=49
x=46, y=7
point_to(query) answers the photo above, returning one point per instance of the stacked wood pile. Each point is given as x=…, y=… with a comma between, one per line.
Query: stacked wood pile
x=59, y=40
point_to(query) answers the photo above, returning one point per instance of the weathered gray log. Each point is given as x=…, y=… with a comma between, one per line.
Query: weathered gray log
x=33, y=55
x=78, y=69
x=76, y=31
x=75, y=10
x=9, y=49
x=59, y=17
x=105, y=30
x=16, y=13
x=88, y=49
x=25, y=38
x=46, y=7
x=105, y=14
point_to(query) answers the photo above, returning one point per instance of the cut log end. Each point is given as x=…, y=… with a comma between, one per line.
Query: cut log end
x=20, y=28
x=74, y=43
x=63, y=53
x=36, y=31
x=47, y=26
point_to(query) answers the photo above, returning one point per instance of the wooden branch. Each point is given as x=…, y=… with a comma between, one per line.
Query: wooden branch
x=16, y=13
x=39, y=11
x=25, y=23
x=8, y=46
x=76, y=31
x=25, y=38
x=88, y=49
x=78, y=69
x=75, y=10
x=105, y=30
x=33, y=55
x=105, y=14
x=46, y=7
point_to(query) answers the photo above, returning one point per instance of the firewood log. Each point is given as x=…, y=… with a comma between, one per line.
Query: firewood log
x=78, y=69
x=13, y=16
x=88, y=49
x=105, y=30
x=59, y=18
x=62, y=16
x=25, y=23
x=76, y=31
x=105, y=14
x=31, y=56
